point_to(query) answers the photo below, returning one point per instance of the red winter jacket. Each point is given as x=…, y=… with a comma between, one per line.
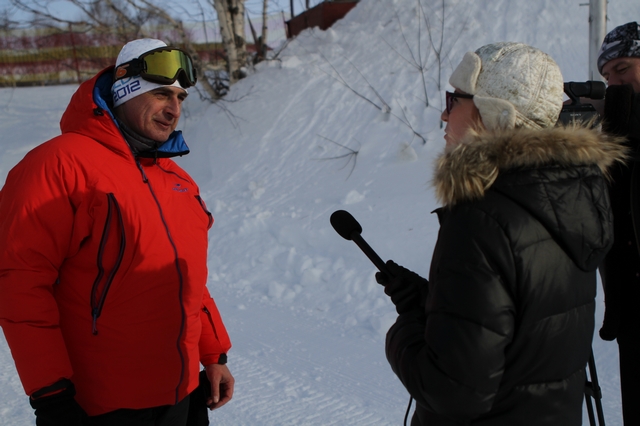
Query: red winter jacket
x=103, y=266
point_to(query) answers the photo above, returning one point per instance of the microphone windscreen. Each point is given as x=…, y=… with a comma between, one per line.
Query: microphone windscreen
x=345, y=224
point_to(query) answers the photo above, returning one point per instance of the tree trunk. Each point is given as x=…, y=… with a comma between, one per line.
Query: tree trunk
x=231, y=17
x=263, y=41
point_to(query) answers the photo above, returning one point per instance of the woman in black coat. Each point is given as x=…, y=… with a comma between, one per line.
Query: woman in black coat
x=502, y=331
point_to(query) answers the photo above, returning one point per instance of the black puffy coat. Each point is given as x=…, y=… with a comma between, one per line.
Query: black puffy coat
x=621, y=268
x=508, y=321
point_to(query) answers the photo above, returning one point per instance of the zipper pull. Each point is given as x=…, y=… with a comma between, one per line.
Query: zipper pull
x=94, y=330
x=144, y=175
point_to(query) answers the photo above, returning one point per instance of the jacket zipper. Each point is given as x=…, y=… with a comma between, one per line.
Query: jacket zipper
x=97, y=301
x=180, y=277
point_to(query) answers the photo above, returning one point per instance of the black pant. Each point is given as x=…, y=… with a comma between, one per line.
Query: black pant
x=165, y=415
x=629, y=350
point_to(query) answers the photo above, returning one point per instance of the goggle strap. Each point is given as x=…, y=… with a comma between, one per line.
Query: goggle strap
x=129, y=69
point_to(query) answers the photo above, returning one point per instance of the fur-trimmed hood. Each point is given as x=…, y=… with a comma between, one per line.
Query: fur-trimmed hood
x=466, y=172
x=556, y=175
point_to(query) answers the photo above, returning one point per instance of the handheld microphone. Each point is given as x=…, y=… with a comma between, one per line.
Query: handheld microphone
x=349, y=229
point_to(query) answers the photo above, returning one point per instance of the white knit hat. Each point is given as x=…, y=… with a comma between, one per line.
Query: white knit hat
x=514, y=85
x=128, y=88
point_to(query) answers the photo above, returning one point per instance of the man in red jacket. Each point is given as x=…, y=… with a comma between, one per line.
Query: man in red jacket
x=103, y=268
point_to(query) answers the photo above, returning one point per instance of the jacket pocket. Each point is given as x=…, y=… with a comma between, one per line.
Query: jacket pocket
x=214, y=339
x=204, y=207
x=110, y=254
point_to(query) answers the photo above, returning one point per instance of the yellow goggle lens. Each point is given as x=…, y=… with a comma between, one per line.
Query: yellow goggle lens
x=166, y=64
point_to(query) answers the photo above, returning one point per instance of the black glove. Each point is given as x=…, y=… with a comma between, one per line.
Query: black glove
x=198, y=410
x=58, y=409
x=612, y=287
x=610, y=325
x=406, y=289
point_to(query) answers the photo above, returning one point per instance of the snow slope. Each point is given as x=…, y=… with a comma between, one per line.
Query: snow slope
x=330, y=124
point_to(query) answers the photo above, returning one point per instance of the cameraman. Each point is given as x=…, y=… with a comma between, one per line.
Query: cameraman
x=619, y=64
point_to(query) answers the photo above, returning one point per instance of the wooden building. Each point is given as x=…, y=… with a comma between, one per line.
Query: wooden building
x=323, y=16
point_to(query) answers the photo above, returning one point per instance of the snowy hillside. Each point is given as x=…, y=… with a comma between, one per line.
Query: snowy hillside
x=337, y=121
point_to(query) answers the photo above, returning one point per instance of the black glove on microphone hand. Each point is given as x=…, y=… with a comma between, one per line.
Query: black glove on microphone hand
x=406, y=289
x=611, y=324
x=58, y=409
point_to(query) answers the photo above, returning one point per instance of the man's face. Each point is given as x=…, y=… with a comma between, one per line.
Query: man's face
x=623, y=71
x=154, y=114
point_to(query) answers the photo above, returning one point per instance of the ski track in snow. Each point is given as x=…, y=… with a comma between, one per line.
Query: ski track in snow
x=292, y=376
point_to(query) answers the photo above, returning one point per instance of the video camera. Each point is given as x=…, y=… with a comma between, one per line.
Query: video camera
x=577, y=111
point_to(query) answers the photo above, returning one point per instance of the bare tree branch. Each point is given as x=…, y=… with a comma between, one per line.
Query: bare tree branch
x=386, y=108
x=342, y=81
x=349, y=155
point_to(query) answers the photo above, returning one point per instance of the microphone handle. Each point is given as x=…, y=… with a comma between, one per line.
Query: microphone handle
x=372, y=255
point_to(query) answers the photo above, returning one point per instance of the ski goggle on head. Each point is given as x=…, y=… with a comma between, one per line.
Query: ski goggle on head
x=164, y=65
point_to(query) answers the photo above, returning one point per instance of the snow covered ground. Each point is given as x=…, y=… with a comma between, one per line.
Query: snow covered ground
x=331, y=124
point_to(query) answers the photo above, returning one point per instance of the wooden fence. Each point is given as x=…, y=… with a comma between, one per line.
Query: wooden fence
x=46, y=57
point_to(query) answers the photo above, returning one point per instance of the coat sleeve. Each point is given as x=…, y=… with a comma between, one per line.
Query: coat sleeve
x=451, y=358
x=619, y=265
x=214, y=340
x=36, y=221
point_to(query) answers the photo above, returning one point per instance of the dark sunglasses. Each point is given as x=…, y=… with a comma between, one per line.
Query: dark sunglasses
x=452, y=96
x=164, y=65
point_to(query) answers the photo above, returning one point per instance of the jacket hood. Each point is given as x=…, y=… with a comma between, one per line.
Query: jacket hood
x=89, y=113
x=555, y=174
